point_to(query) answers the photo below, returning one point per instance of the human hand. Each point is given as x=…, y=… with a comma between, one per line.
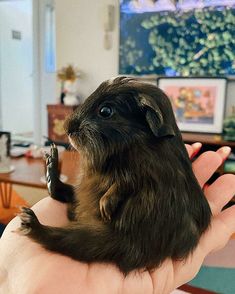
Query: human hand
x=25, y=267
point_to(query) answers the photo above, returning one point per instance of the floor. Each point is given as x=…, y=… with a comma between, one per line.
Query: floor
x=31, y=195
x=223, y=258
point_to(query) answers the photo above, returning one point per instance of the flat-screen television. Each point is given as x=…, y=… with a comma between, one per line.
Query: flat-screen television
x=177, y=38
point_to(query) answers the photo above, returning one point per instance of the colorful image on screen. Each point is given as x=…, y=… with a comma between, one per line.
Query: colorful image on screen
x=177, y=38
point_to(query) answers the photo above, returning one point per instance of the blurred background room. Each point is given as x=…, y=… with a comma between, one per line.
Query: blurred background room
x=54, y=53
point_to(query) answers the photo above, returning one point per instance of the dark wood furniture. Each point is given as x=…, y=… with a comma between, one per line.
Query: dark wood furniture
x=57, y=114
x=209, y=142
x=195, y=290
x=207, y=139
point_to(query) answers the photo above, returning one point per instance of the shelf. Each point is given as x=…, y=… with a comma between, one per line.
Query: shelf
x=209, y=139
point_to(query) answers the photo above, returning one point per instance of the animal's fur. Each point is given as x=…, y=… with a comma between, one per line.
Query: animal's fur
x=138, y=201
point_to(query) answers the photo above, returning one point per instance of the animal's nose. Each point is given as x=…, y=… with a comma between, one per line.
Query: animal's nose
x=71, y=125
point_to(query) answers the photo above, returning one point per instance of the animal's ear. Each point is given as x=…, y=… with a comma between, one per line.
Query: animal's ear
x=154, y=118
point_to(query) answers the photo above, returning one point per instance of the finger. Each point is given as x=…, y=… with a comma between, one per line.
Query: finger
x=207, y=163
x=55, y=155
x=224, y=152
x=189, y=149
x=193, y=149
x=220, y=192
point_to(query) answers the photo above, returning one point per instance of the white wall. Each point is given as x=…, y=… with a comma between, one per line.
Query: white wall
x=16, y=66
x=25, y=85
x=79, y=34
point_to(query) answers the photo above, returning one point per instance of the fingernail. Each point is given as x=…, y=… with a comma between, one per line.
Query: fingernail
x=196, y=148
x=197, y=145
x=226, y=150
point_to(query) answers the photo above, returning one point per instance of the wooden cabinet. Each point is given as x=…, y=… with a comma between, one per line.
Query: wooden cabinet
x=57, y=114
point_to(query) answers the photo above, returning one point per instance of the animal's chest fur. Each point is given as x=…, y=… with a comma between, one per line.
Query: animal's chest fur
x=89, y=193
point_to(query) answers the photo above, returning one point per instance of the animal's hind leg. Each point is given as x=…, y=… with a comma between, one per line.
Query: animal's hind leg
x=82, y=242
x=79, y=243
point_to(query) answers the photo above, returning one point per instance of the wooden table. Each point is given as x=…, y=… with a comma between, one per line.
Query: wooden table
x=29, y=171
x=195, y=290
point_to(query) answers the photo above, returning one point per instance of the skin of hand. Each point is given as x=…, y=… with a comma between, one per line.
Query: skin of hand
x=25, y=267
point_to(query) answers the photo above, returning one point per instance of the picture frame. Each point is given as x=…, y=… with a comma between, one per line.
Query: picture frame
x=198, y=102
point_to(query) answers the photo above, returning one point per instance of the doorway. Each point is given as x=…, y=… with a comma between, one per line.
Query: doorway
x=17, y=68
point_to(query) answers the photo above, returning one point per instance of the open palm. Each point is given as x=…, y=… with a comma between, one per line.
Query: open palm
x=25, y=267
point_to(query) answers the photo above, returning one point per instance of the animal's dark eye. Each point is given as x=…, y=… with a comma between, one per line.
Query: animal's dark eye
x=106, y=111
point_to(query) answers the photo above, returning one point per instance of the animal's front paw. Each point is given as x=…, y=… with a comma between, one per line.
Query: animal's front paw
x=29, y=221
x=52, y=169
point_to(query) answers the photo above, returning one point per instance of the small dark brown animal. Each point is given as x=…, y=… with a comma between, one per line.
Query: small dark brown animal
x=137, y=201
